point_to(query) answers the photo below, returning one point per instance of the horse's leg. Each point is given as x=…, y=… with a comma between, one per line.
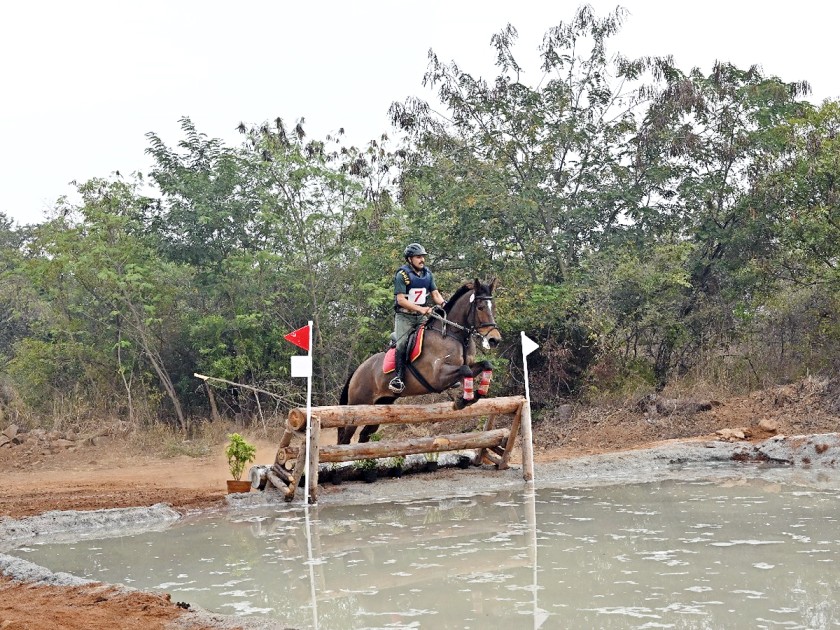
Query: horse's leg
x=370, y=429
x=345, y=434
x=474, y=389
x=367, y=431
x=483, y=373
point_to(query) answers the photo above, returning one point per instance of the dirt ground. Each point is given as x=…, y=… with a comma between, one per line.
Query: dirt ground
x=88, y=477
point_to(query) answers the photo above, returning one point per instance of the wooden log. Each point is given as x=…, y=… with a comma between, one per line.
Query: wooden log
x=490, y=458
x=413, y=446
x=276, y=481
x=337, y=416
x=288, y=434
x=514, y=431
x=286, y=456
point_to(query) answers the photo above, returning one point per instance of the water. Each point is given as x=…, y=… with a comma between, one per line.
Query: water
x=675, y=554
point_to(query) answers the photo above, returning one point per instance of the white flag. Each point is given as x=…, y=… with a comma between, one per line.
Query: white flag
x=528, y=344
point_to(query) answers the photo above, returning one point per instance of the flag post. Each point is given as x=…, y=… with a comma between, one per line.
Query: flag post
x=528, y=346
x=308, y=415
x=302, y=367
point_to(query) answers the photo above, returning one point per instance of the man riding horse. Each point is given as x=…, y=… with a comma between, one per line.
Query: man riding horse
x=414, y=285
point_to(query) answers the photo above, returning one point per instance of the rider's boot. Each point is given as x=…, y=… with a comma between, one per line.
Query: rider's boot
x=397, y=384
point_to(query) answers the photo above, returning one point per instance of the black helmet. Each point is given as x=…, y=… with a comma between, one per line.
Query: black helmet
x=414, y=249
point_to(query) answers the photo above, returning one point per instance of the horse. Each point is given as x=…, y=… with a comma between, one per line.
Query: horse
x=448, y=357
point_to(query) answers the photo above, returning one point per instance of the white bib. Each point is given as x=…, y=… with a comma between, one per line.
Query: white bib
x=417, y=296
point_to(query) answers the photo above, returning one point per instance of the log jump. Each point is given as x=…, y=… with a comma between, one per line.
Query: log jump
x=492, y=445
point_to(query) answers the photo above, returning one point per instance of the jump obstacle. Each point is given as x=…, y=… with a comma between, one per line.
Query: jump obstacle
x=492, y=445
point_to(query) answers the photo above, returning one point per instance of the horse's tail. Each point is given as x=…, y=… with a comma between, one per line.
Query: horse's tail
x=342, y=400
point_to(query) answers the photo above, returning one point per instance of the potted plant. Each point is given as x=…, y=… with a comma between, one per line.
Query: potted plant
x=395, y=465
x=367, y=468
x=431, y=461
x=239, y=453
x=336, y=474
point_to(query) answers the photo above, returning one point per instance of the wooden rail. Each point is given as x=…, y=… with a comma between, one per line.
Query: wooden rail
x=492, y=445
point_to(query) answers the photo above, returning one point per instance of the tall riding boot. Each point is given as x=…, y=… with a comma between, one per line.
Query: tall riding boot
x=397, y=384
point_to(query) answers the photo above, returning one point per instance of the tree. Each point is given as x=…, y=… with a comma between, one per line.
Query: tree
x=531, y=176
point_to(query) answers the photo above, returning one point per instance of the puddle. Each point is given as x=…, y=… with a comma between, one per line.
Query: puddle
x=740, y=553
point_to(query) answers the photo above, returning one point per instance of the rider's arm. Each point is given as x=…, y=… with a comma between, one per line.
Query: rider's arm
x=438, y=298
x=404, y=302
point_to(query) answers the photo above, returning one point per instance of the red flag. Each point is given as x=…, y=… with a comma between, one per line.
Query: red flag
x=299, y=337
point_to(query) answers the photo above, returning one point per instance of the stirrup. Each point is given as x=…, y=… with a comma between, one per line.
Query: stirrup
x=396, y=385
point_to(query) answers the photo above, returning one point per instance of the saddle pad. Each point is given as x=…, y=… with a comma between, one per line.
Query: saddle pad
x=389, y=364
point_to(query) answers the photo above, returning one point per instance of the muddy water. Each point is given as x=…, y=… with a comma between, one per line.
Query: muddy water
x=747, y=554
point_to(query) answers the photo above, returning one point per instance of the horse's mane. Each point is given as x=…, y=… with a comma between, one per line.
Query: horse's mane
x=467, y=286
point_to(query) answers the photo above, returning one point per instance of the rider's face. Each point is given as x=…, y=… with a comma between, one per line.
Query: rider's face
x=418, y=262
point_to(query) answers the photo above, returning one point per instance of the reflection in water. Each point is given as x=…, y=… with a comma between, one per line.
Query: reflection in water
x=671, y=554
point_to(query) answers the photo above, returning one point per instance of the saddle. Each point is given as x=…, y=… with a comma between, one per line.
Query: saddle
x=415, y=345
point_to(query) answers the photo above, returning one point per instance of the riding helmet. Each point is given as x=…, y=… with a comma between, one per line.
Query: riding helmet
x=414, y=249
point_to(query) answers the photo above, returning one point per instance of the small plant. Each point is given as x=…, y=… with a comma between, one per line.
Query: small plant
x=398, y=461
x=395, y=464
x=367, y=467
x=365, y=464
x=238, y=453
x=431, y=461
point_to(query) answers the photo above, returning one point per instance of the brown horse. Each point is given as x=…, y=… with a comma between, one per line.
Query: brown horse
x=447, y=358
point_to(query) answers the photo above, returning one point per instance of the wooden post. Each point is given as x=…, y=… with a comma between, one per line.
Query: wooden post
x=312, y=475
x=297, y=473
x=481, y=453
x=514, y=431
x=527, y=444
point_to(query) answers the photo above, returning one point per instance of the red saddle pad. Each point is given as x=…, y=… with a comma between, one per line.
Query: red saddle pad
x=390, y=362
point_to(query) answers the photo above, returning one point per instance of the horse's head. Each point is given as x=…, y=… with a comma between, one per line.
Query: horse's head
x=472, y=305
x=484, y=315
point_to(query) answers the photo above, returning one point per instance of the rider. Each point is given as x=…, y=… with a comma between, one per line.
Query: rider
x=413, y=286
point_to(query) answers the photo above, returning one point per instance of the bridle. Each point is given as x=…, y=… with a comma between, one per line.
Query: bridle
x=471, y=329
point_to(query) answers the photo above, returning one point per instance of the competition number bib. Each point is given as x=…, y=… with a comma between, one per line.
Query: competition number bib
x=417, y=296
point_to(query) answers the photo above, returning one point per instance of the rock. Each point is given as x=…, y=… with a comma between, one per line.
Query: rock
x=731, y=434
x=11, y=431
x=563, y=412
x=766, y=424
x=63, y=443
x=5, y=441
x=98, y=440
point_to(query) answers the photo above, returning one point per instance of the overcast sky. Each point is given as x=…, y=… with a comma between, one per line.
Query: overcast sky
x=83, y=81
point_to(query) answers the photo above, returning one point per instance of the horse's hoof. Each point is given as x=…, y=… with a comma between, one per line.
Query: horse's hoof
x=459, y=403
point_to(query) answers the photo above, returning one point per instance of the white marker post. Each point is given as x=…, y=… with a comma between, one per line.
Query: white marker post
x=528, y=346
x=302, y=367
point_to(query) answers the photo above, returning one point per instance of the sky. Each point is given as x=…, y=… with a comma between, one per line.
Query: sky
x=83, y=82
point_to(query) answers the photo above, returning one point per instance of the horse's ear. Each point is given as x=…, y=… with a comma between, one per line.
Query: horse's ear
x=476, y=286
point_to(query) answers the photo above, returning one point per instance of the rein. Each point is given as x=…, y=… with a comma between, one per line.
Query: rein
x=471, y=331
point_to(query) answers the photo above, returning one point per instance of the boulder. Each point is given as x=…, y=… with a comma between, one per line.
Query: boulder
x=11, y=431
x=771, y=426
x=731, y=435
